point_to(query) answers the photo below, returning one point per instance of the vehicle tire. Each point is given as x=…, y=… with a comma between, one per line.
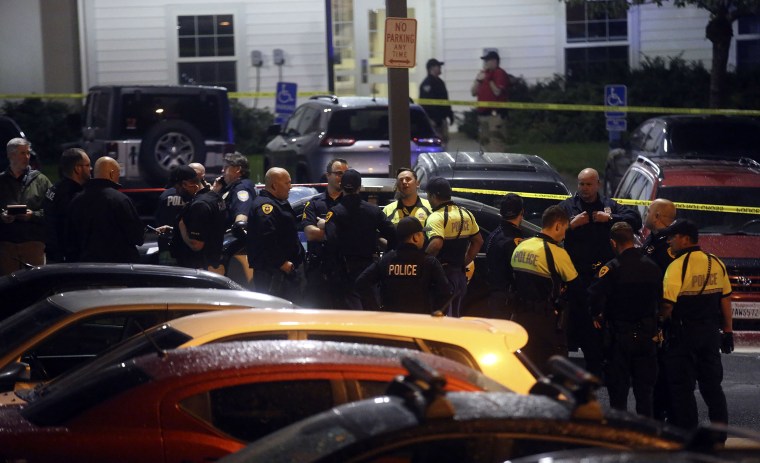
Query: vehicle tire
x=167, y=145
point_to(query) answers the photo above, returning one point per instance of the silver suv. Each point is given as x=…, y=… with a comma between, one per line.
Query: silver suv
x=150, y=129
x=353, y=128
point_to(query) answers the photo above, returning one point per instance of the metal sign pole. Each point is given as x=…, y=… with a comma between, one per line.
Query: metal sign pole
x=398, y=102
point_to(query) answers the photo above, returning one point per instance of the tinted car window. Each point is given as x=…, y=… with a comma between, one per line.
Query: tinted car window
x=142, y=111
x=309, y=122
x=16, y=328
x=717, y=222
x=716, y=138
x=250, y=411
x=639, y=136
x=372, y=124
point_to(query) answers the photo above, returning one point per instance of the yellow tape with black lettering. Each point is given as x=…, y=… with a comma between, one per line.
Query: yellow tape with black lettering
x=625, y=202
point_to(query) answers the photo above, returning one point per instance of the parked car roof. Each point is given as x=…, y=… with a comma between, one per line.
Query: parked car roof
x=24, y=287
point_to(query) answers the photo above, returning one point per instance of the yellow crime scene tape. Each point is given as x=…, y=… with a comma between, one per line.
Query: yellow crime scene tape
x=626, y=202
x=507, y=105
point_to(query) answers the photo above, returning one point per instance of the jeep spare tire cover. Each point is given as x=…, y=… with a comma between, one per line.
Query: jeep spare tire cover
x=167, y=145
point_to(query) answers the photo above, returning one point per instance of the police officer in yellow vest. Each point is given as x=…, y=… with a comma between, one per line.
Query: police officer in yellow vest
x=696, y=292
x=454, y=238
x=409, y=203
x=540, y=267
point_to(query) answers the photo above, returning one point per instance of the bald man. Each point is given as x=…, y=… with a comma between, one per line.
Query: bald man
x=587, y=241
x=103, y=224
x=661, y=213
x=274, y=250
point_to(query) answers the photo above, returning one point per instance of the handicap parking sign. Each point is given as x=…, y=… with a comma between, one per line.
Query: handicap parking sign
x=615, y=96
x=285, y=103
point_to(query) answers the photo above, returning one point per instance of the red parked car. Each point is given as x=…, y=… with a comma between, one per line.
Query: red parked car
x=201, y=403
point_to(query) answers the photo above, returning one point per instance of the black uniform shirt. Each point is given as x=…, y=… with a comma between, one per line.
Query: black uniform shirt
x=239, y=196
x=353, y=226
x=627, y=288
x=657, y=248
x=433, y=88
x=499, y=248
x=205, y=220
x=272, y=234
x=56, y=205
x=410, y=281
x=317, y=208
x=589, y=245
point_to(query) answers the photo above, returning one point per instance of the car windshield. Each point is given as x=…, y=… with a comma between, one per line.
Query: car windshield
x=17, y=328
x=713, y=221
x=534, y=207
x=159, y=338
x=372, y=124
x=716, y=138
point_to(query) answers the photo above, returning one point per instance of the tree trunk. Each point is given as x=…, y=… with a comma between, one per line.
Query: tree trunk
x=719, y=32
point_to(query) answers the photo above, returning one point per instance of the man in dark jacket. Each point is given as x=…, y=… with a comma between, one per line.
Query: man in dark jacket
x=75, y=169
x=353, y=230
x=409, y=280
x=274, y=249
x=499, y=248
x=433, y=88
x=22, y=228
x=103, y=224
x=587, y=242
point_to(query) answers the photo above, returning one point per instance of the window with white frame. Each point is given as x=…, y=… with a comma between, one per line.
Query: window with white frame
x=206, y=48
x=597, y=39
x=748, y=43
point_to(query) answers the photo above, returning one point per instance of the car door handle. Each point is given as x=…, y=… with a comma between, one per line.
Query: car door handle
x=385, y=145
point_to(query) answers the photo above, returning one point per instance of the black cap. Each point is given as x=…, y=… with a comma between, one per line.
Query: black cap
x=351, y=181
x=438, y=186
x=433, y=62
x=490, y=55
x=178, y=174
x=682, y=227
x=408, y=226
x=512, y=206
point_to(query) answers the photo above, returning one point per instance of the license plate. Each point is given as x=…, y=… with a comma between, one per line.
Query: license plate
x=746, y=309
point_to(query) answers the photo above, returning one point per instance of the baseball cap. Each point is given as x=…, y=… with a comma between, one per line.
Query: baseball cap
x=409, y=226
x=351, y=181
x=433, y=62
x=682, y=227
x=178, y=174
x=512, y=206
x=438, y=186
x=490, y=55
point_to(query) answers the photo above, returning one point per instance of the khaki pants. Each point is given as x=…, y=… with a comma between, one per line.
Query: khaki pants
x=13, y=256
x=492, y=135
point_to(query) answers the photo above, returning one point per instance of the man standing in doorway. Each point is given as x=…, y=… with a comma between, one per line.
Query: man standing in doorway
x=433, y=88
x=491, y=85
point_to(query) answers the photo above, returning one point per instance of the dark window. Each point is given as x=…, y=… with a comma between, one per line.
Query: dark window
x=202, y=37
x=726, y=138
x=141, y=111
x=250, y=411
x=592, y=62
x=372, y=124
x=595, y=22
x=748, y=43
x=17, y=328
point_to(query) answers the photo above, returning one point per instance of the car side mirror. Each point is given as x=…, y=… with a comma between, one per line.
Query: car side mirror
x=13, y=373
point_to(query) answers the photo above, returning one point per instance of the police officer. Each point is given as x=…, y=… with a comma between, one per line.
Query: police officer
x=274, y=250
x=410, y=280
x=238, y=192
x=170, y=204
x=624, y=299
x=454, y=238
x=660, y=214
x=318, y=292
x=198, y=231
x=696, y=292
x=591, y=217
x=409, y=203
x=75, y=171
x=499, y=247
x=353, y=229
x=540, y=267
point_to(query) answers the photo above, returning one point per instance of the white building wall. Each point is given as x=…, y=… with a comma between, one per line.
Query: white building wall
x=668, y=31
x=21, y=56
